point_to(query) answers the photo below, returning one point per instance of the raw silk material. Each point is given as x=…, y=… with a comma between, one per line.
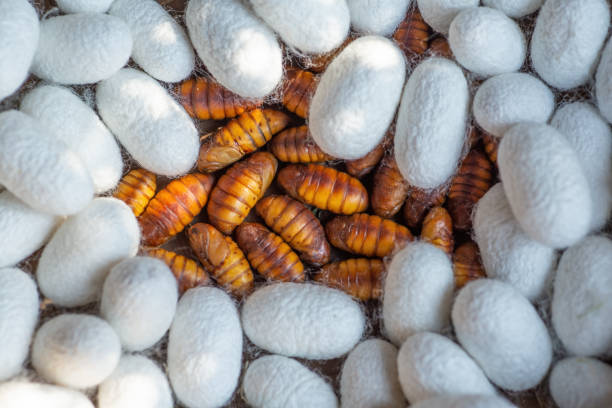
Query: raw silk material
x=566, y=41
x=161, y=46
x=205, y=348
x=514, y=8
x=465, y=401
x=379, y=17
x=502, y=331
x=21, y=394
x=580, y=382
x=440, y=13
x=84, y=6
x=303, y=320
x=238, y=49
x=357, y=97
x=277, y=382
x=603, y=83
x=545, y=184
x=77, y=49
x=152, y=126
x=74, y=264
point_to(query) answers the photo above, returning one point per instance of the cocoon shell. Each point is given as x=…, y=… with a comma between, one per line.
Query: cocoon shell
x=486, y=41
x=277, y=381
x=603, y=83
x=74, y=264
x=580, y=306
x=39, y=169
x=418, y=292
x=21, y=394
x=84, y=6
x=152, y=126
x=440, y=13
x=356, y=98
x=581, y=383
x=66, y=117
x=566, y=41
x=464, y=401
x=205, y=348
x=502, y=331
x=75, y=350
x=78, y=49
x=514, y=8
x=302, y=320
x=238, y=49
x=431, y=120
x=377, y=17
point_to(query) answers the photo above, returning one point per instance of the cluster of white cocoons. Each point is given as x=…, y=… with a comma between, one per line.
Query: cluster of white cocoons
x=440, y=13
x=581, y=382
x=603, y=83
x=514, y=8
x=380, y=17
x=357, y=97
x=464, y=401
x=84, y=6
x=21, y=394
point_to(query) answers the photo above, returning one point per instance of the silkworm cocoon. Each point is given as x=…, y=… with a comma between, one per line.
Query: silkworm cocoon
x=19, y=27
x=152, y=126
x=356, y=98
x=440, y=13
x=161, y=46
x=514, y=8
x=508, y=99
x=136, y=382
x=566, y=41
x=139, y=300
x=590, y=136
x=20, y=394
x=580, y=382
x=369, y=376
x=39, y=169
x=277, y=381
x=78, y=49
x=545, y=184
x=302, y=320
x=603, y=83
x=238, y=49
x=502, y=331
x=465, y=401
x=431, y=120
x=379, y=17
x=74, y=264
x=66, y=117
x=75, y=350
x=205, y=348
x=84, y=6
x=418, y=292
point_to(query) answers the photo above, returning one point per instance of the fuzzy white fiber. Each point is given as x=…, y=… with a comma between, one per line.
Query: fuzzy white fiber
x=148, y=122
x=440, y=13
x=65, y=116
x=205, y=348
x=507, y=99
x=84, y=6
x=545, y=184
x=238, y=49
x=603, y=83
x=465, y=401
x=23, y=394
x=580, y=382
x=514, y=8
x=431, y=123
x=75, y=350
x=379, y=17
x=356, y=98
x=78, y=49
x=39, y=169
x=19, y=29
x=303, y=320
x=418, y=292
x=139, y=300
x=566, y=41
x=278, y=382
x=369, y=376
x=136, y=382
x=75, y=262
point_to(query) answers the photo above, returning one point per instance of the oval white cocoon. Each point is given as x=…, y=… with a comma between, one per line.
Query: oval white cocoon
x=84, y=6
x=581, y=382
x=603, y=83
x=440, y=13
x=21, y=394
x=465, y=401
x=514, y=8
x=379, y=17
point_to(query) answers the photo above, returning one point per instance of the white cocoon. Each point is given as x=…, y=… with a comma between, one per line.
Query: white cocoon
x=431, y=365
x=369, y=376
x=74, y=264
x=603, y=83
x=580, y=382
x=508, y=99
x=238, y=49
x=83, y=6
x=161, y=46
x=465, y=401
x=66, y=117
x=78, y=49
x=379, y=17
x=590, y=136
x=507, y=253
x=418, y=292
x=205, y=348
x=277, y=381
x=139, y=300
x=545, y=184
x=581, y=306
x=75, y=350
x=19, y=28
x=302, y=320
x=430, y=128
x=136, y=382
x=18, y=316
x=514, y=8
x=440, y=13
x=39, y=169
x=152, y=126
x=502, y=331
x=22, y=394
x=566, y=41
x=356, y=98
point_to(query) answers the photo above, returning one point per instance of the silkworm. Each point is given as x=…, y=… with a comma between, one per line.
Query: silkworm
x=359, y=277
x=136, y=189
